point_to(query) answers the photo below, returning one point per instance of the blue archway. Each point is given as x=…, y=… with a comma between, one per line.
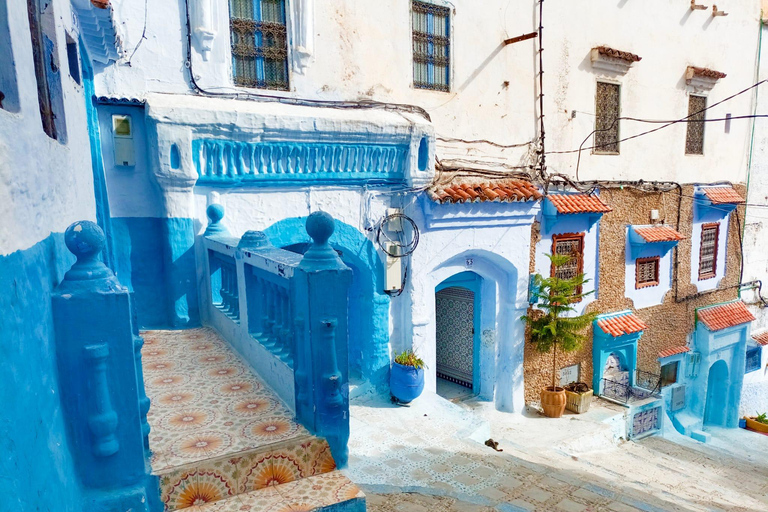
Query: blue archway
x=369, y=305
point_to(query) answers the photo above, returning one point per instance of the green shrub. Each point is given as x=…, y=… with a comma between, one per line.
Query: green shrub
x=409, y=358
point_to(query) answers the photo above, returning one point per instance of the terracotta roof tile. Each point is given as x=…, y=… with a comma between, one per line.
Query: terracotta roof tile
x=722, y=195
x=578, y=203
x=723, y=316
x=674, y=351
x=618, y=54
x=660, y=233
x=761, y=338
x=101, y=4
x=695, y=71
x=619, y=325
x=510, y=190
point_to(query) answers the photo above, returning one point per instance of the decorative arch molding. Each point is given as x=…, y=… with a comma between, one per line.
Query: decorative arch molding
x=502, y=367
x=361, y=253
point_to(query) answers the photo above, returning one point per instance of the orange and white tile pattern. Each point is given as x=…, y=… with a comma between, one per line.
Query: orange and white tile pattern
x=217, y=429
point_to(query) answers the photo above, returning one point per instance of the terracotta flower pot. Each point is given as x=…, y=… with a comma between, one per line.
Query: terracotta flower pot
x=553, y=401
x=755, y=425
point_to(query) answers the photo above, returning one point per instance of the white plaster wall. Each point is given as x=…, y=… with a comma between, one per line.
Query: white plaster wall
x=669, y=36
x=44, y=185
x=756, y=218
x=362, y=51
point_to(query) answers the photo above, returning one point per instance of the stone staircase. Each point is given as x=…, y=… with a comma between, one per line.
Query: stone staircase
x=221, y=440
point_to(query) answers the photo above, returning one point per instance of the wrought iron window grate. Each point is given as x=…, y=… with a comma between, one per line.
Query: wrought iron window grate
x=708, y=251
x=569, y=245
x=647, y=272
x=694, y=138
x=431, y=46
x=754, y=358
x=607, y=110
x=259, y=43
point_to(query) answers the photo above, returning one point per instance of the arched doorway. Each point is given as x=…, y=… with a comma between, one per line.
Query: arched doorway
x=717, y=395
x=457, y=335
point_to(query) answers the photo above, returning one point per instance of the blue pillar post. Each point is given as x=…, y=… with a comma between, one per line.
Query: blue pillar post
x=102, y=392
x=320, y=292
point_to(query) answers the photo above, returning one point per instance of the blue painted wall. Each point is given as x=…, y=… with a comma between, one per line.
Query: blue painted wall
x=140, y=267
x=36, y=467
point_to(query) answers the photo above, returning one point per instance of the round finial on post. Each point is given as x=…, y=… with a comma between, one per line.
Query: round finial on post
x=86, y=240
x=320, y=226
x=253, y=240
x=215, y=213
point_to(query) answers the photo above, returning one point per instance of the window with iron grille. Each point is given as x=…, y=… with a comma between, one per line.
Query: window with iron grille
x=647, y=272
x=754, y=357
x=607, y=111
x=669, y=373
x=694, y=138
x=259, y=43
x=431, y=46
x=570, y=244
x=708, y=251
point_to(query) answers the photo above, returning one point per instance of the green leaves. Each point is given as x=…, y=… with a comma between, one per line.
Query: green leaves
x=409, y=358
x=555, y=298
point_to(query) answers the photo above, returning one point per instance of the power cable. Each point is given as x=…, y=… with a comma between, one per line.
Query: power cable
x=342, y=105
x=143, y=35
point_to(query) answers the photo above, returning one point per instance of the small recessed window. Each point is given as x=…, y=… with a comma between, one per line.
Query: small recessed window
x=754, y=357
x=708, y=251
x=694, y=138
x=647, y=272
x=73, y=59
x=669, y=373
x=122, y=126
x=431, y=46
x=607, y=112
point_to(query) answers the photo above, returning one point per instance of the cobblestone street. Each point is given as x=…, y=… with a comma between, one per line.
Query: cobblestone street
x=568, y=464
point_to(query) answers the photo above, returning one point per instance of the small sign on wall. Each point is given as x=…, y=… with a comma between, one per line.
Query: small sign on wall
x=569, y=374
x=678, y=398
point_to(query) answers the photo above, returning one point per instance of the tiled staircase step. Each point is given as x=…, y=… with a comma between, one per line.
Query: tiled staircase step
x=327, y=492
x=237, y=473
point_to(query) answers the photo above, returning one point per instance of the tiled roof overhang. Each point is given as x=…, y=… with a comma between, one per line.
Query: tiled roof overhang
x=621, y=324
x=761, y=338
x=723, y=316
x=659, y=233
x=617, y=54
x=695, y=71
x=503, y=191
x=578, y=203
x=723, y=195
x=673, y=351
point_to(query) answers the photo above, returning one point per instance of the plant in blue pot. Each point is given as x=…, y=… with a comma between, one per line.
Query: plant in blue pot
x=406, y=380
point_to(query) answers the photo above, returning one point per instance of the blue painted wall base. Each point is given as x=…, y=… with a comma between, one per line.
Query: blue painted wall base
x=36, y=465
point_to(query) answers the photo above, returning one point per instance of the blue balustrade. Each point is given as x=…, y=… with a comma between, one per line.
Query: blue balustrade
x=230, y=162
x=102, y=388
x=294, y=311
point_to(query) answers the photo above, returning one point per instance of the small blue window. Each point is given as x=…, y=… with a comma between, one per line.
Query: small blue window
x=259, y=43
x=431, y=46
x=754, y=354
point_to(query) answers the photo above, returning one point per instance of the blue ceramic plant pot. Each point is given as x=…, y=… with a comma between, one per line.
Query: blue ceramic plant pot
x=406, y=382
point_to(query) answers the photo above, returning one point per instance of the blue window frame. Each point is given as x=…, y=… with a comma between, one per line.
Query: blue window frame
x=754, y=356
x=431, y=46
x=259, y=43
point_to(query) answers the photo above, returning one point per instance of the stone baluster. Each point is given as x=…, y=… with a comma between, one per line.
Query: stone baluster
x=99, y=379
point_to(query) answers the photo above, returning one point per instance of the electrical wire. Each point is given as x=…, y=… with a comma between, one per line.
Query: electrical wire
x=342, y=105
x=484, y=141
x=143, y=35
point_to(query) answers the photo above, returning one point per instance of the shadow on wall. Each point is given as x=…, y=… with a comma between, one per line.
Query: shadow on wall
x=368, y=305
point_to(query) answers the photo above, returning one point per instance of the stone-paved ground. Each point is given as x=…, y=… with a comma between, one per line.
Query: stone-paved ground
x=568, y=464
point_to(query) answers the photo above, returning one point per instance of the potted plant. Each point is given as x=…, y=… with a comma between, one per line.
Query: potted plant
x=406, y=380
x=758, y=423
x=553, y=329
x=578, y=396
